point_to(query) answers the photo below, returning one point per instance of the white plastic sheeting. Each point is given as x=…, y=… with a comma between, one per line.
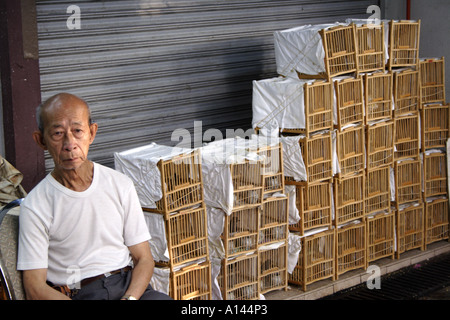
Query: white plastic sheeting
x=158, y=242
x=216, y=159
x=279, y=102
x=300, y=49
x=140, y=164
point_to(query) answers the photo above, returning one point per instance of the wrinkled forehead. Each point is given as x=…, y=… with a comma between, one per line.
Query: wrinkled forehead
x=66, y=110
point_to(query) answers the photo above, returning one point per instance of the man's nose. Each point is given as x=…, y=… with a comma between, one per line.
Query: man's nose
x=69, y=142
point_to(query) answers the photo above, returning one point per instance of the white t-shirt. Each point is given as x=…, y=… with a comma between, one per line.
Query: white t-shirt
x=77, y=235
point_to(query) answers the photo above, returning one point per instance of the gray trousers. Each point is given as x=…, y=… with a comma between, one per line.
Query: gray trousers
x=113, y=288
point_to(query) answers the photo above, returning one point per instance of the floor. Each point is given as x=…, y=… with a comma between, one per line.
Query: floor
x=327, y=287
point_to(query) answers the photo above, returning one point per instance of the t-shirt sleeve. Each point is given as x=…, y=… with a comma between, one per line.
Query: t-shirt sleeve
x=33, y=241
x=135, y=228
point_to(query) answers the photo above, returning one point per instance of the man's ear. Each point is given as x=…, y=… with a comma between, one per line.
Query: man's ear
x=93, y=130
x=38, y=137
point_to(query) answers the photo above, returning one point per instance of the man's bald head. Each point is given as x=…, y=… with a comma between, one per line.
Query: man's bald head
x=54, y=102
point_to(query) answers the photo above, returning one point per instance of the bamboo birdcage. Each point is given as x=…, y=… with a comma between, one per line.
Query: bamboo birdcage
x=273, y=220
x=378, y=88
x=406, y=92
x=407, y=181
x=192, y=282
x=404, y=39
x=370, y=47
x=182, y=183
x=316, y=260
x=410, y=227
x=319, y=102
x=407, y=137
x=317, y=156
x=240, y=232
x=380, y=144
x=272, y=168
x=350, y=149
x=435, y=174
x=248, y=183
x=351, y=247
x=272, y=264
x=380, y=236
x=187, y=236
x=436, y=220
x=339, y=44
x=434, y=126
x=432, y=80
x=238, y=278
x=378, y=190
x=314, y=204
x=349, y=198
x=349, y=101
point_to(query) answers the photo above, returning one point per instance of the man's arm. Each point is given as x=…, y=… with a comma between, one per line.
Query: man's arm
x=143, y=269
x=36, y=287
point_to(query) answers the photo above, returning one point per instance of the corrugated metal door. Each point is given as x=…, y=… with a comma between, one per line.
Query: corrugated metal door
x=147, y=68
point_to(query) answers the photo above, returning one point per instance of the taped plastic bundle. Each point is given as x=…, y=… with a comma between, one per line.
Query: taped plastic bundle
x=300, y=50
x=141, y=165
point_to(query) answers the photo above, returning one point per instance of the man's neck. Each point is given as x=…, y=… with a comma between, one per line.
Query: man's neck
x=78, y=179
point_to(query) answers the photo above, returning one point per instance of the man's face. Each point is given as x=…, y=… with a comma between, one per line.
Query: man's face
x=67, y=133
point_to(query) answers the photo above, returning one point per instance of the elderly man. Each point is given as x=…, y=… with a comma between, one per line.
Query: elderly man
x=82, y=227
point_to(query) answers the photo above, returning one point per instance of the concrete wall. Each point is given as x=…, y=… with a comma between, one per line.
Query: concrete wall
x=434, y=28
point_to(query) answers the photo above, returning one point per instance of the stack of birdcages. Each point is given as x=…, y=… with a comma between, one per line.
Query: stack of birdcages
x=247, y=216
x=434, y=136
x=380, y=122
x=169, y=184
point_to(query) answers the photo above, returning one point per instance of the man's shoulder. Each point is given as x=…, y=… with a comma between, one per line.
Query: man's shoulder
x=112, y=174
x=42, y=188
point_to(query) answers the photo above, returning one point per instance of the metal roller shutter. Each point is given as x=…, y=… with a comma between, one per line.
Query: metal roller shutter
x=147, y=68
